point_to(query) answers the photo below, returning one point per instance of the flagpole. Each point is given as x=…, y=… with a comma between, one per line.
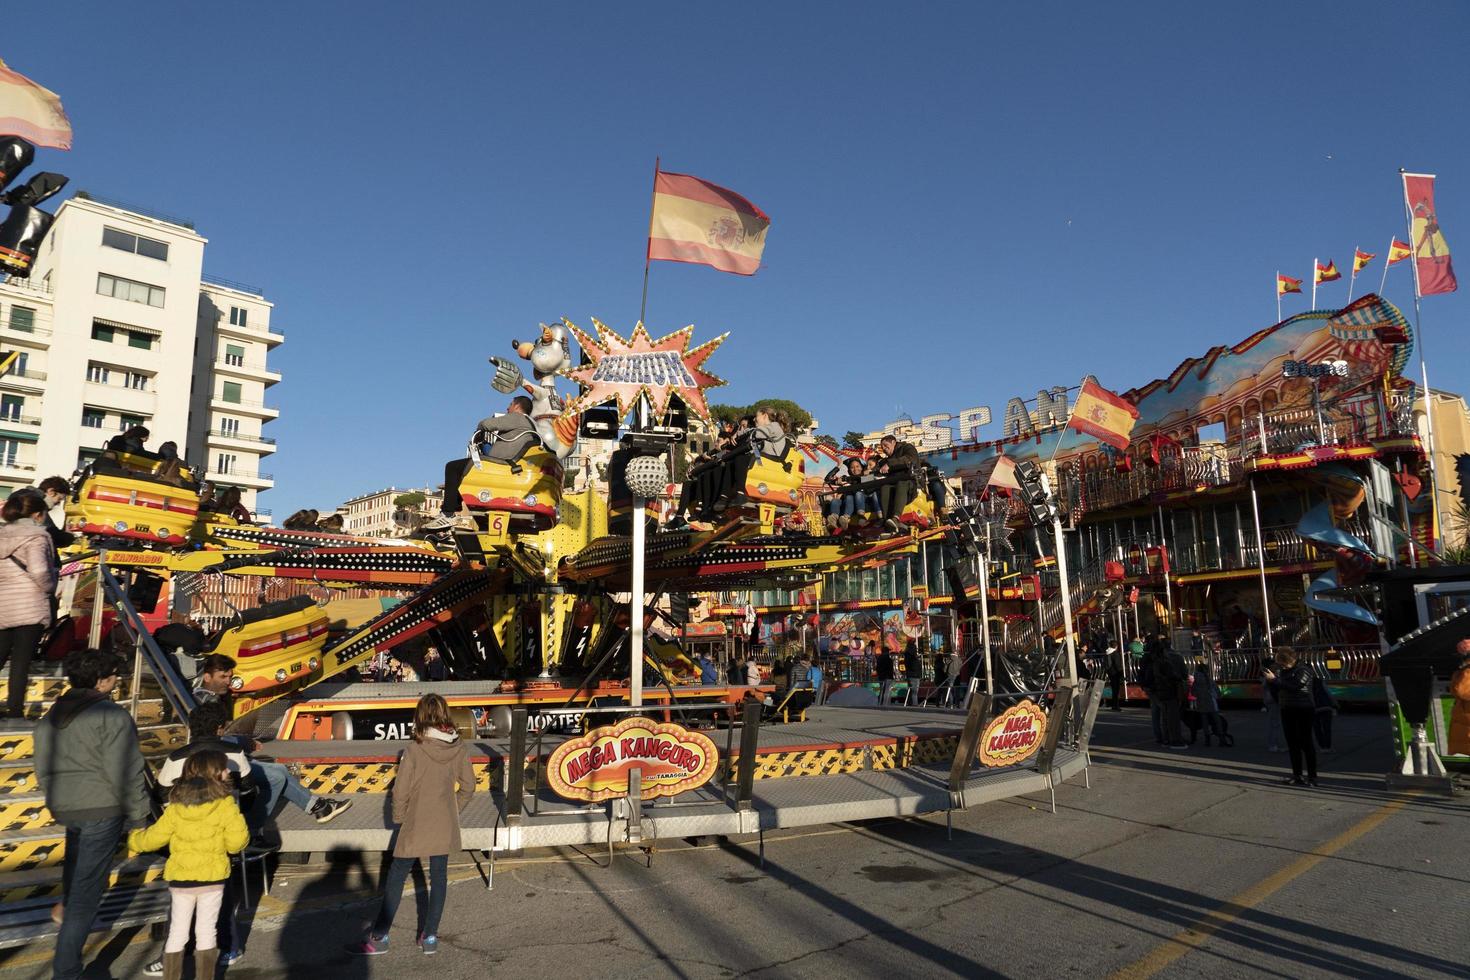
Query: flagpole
x=1278, y=295
x=1352, y=278
x=648, y=243
x=1423, y=369
x=1314, y=282
x=1387, y=260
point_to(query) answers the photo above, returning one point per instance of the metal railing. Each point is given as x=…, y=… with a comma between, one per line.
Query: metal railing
x=34, y=285
x=240, y=362
x=239, y=287
x=223, y=476
x=17, y=465
x=29, y=374
x=145, y=651
x=145, y=212
x=242, y=436
x=31, y=330
x=245, y=404
x=1236, y=665
x=20, y=419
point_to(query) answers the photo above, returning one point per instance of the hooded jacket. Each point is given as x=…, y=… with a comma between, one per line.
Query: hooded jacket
x=87, y=760
x=200, y=835
x=426, y=803
x=27, y=574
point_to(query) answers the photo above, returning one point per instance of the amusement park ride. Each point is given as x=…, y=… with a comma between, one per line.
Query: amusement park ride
x=522, y=595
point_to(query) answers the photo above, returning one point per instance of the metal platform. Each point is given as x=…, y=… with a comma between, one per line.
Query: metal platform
x=843, y=764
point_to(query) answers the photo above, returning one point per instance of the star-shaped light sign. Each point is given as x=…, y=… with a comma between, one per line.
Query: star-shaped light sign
x=623, y=370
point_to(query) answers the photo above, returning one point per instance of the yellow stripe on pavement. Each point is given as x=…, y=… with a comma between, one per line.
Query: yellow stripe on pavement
x=1214, y=920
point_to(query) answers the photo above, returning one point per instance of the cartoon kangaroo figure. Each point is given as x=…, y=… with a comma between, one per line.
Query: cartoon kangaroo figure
x=550, y=354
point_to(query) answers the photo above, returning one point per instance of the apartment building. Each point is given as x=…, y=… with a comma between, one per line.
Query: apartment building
x=118, y=327
x=375, y=515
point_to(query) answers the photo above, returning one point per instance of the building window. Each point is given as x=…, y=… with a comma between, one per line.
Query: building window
x=231, y=392
x=126, y=422
x=9, y=451
x=92, y=418
x=20, y=365
x=12, y=407
x=235, y=355
x=86, y=458
x=229, y=427
x=98, y=374
x=103, y=332
x=23, y=318
x=127, y=289
x=137, y=381
x=127, y=242
x=237, y=316
x=224, y=463
x=142, y=341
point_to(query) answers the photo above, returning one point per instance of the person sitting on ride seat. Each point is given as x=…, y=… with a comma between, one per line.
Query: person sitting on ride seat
x=171, y=468
x=850, y=500
x=130, y=440
x=766, y=437
x=899, y=460
x=510, y=432
x=702, y=469
x=303, y=520
x=229, y=504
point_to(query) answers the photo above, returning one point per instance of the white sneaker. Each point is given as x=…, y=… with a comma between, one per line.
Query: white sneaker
x=441, y=523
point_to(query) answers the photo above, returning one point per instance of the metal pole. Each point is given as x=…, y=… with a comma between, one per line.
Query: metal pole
x=648, y=245
x=99, y=603
x=1261, y=564
x=982, y=563
x=635, y=623
x=1056, y=527
x=1314, y=282
x=1163, y=563
x=1423, y=366
x=1387, y=255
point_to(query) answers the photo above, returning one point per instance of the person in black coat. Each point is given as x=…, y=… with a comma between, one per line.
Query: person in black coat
x=1292, y=685
x=883, y=666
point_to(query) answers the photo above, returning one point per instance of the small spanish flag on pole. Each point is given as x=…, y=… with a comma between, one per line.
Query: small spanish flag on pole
x=1284, y=285
x=1397, y=252
x=696, y=221
x=1360, y=261
x=1103, y=415
x=1323, y=273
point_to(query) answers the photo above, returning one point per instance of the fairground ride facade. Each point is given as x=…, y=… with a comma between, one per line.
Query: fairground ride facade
x=1261, y=480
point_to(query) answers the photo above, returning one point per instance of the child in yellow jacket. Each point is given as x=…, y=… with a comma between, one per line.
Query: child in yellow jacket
x=201, y=827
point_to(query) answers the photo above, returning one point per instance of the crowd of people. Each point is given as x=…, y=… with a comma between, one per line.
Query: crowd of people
x=91, y=769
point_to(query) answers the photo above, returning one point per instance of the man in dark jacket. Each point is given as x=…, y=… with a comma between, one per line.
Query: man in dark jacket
x=1170, y=677
x=88, y=763
x=884, y=668
x=511, y=432
x=899, y=460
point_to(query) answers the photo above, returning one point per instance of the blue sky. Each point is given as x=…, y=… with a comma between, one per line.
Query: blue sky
x=969, y=201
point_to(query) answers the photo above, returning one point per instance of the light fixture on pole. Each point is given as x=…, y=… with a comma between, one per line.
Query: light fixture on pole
x=646, y=476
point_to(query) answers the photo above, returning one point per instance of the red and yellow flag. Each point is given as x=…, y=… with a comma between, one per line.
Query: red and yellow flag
x=696, y=221
x=1361, y=259
x=1328, y=272
x=32, y=112
x=1398, y=251
x=1432, y=267
x=1286, y=284
x=1103, y=415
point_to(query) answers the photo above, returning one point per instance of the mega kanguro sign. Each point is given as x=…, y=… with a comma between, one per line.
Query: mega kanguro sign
x=670, y=759
x=1014, y=735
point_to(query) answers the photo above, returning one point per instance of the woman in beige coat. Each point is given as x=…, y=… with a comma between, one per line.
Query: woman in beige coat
x=426, y=807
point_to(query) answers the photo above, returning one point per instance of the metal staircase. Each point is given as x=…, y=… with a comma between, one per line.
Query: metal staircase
x=1084, y=586
x=32, y=844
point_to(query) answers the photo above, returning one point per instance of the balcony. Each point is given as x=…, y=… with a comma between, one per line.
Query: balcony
x=24, y=380
x=240, y=478
x=32, y=336
x=19, y=421
x=242, y=368
x=17, y=468
x=269, y=334
x=127, y=401
x=258, y=409
x=37, y=286
x=241, y=440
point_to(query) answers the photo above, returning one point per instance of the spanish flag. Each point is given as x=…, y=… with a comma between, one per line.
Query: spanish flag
x=32, y=112
x=1328, y=272
x=1361, y=260
x=1398, y=251
x=1433, y=271
x=1286, y=284
x=696, y=221
x=1103, y=415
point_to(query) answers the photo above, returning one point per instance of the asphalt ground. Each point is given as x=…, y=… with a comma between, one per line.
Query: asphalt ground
x=1173, y=864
